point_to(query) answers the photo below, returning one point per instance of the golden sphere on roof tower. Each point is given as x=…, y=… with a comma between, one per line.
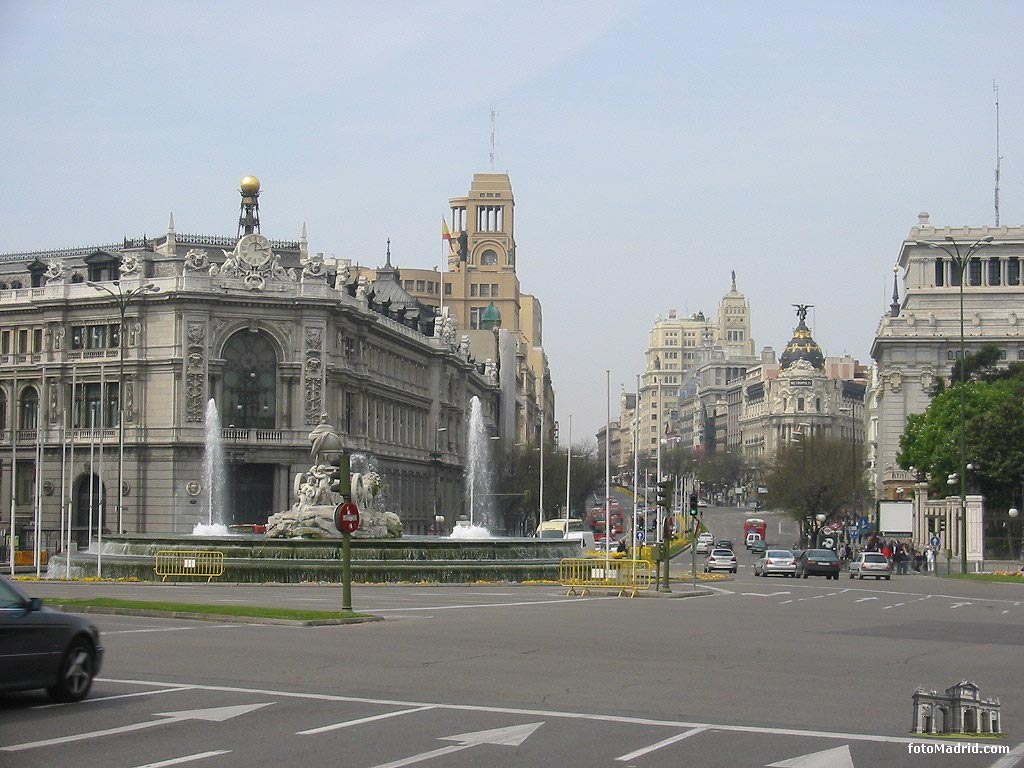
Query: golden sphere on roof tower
x=250, y=185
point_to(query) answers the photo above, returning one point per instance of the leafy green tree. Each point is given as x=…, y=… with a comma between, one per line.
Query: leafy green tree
x=994, y=417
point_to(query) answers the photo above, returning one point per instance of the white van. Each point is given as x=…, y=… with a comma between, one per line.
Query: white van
x=751, y=538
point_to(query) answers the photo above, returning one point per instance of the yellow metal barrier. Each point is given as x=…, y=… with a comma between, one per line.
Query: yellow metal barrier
x=588, y=573
x=209, y=563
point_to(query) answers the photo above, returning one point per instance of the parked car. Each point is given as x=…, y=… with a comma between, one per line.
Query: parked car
x=44, y=648
x=818, y=562
x=721, y=560
x=871, y=564
x=779, y=561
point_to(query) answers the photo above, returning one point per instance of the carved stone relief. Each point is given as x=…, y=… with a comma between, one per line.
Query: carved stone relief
x=313, y=375
x=195, y=373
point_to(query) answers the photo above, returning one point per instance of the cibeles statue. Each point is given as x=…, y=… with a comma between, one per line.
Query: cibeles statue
x=318, y=492
x=326, y=442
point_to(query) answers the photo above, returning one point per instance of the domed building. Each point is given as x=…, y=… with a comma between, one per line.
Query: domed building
x=804, y=394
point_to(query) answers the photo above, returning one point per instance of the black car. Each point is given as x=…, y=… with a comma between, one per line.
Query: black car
x=724, y=544
x=818, y=562
x=44, y=648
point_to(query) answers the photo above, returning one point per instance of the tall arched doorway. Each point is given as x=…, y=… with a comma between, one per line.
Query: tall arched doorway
x=249, y=395
x=84, y=502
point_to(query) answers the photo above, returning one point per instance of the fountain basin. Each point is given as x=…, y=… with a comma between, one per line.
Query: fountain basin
x=258, y=559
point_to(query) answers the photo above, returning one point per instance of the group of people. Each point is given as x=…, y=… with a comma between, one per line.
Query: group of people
x=903, y=554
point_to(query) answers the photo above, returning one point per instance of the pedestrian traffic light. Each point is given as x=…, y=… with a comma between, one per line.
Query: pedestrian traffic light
x=694, y=507
x=665, y=494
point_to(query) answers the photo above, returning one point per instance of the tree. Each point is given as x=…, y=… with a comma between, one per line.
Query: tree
x=994, y=416
x=518, y=481
x=720, y=471
x=816, y=476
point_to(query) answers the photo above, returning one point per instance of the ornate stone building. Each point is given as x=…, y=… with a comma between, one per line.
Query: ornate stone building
x=918, y=340
x=676, y=348
x=479, y=287
x=272, y=334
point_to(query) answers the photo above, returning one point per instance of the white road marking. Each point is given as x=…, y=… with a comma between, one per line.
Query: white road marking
x=93, y=699
x=512, y=736
x=217, y=714
x=957, y=605
x=663, y=743
x=1010, y=759
x=839, y=757
x=785, y=601
x=486, y=605
x=361, y=720
x=861, y=600
x=169, y=629
x=185, y=759
x=838, y=735
x=763, y=594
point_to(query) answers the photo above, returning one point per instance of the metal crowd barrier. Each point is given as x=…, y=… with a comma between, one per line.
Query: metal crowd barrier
x=586, y=573
x=209, y=563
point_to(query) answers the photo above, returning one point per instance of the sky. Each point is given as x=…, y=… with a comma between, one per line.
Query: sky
x=653, y=147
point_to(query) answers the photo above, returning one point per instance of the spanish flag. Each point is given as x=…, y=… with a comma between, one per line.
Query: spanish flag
x=446, y=233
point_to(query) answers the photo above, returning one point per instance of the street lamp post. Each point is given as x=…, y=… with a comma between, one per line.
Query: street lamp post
x=123, y=298
x=961, y=260
x=1013, y=512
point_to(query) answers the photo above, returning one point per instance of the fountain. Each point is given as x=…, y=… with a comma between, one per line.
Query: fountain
x=302, y=544
x=479, y=476
x=213, y=476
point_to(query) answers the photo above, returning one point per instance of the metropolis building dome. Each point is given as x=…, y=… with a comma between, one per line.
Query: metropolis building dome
x=802, y=346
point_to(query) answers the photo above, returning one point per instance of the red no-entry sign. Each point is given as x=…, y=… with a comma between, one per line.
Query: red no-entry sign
x=346, y=517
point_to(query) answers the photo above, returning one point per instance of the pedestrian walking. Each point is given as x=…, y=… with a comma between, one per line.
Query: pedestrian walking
x=930, y=558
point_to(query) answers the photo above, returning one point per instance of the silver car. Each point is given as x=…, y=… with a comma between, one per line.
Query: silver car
x=721, y=560
x=780, y=561
x=871, y=564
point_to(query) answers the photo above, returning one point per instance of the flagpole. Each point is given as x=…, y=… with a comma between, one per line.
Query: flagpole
x=71, y=474
x=102, y=489
x=15, y=402
x=37, y=518
x=92, y=464
x=63, y=476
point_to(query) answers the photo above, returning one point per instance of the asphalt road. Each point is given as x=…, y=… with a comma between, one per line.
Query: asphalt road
x=765, y=672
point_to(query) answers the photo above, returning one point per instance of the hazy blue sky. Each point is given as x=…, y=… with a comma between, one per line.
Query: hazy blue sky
x=653, y=147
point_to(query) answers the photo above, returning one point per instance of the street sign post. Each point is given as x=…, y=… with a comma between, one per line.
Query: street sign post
x=346, y=520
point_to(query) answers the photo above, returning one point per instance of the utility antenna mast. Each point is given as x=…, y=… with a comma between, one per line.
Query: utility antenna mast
x=494, y=131
x=995, y=90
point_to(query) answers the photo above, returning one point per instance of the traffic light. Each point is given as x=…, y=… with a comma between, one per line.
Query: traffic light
x=665, y=494
x=942, y=524
x=694, y=508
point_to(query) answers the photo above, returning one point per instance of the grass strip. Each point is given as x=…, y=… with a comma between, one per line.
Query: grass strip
x=1004, y=577
x=291, y=614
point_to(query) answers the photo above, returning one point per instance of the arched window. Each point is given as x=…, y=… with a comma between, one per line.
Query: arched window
x=488, y=258
x=29, y=405
x=250, y=382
